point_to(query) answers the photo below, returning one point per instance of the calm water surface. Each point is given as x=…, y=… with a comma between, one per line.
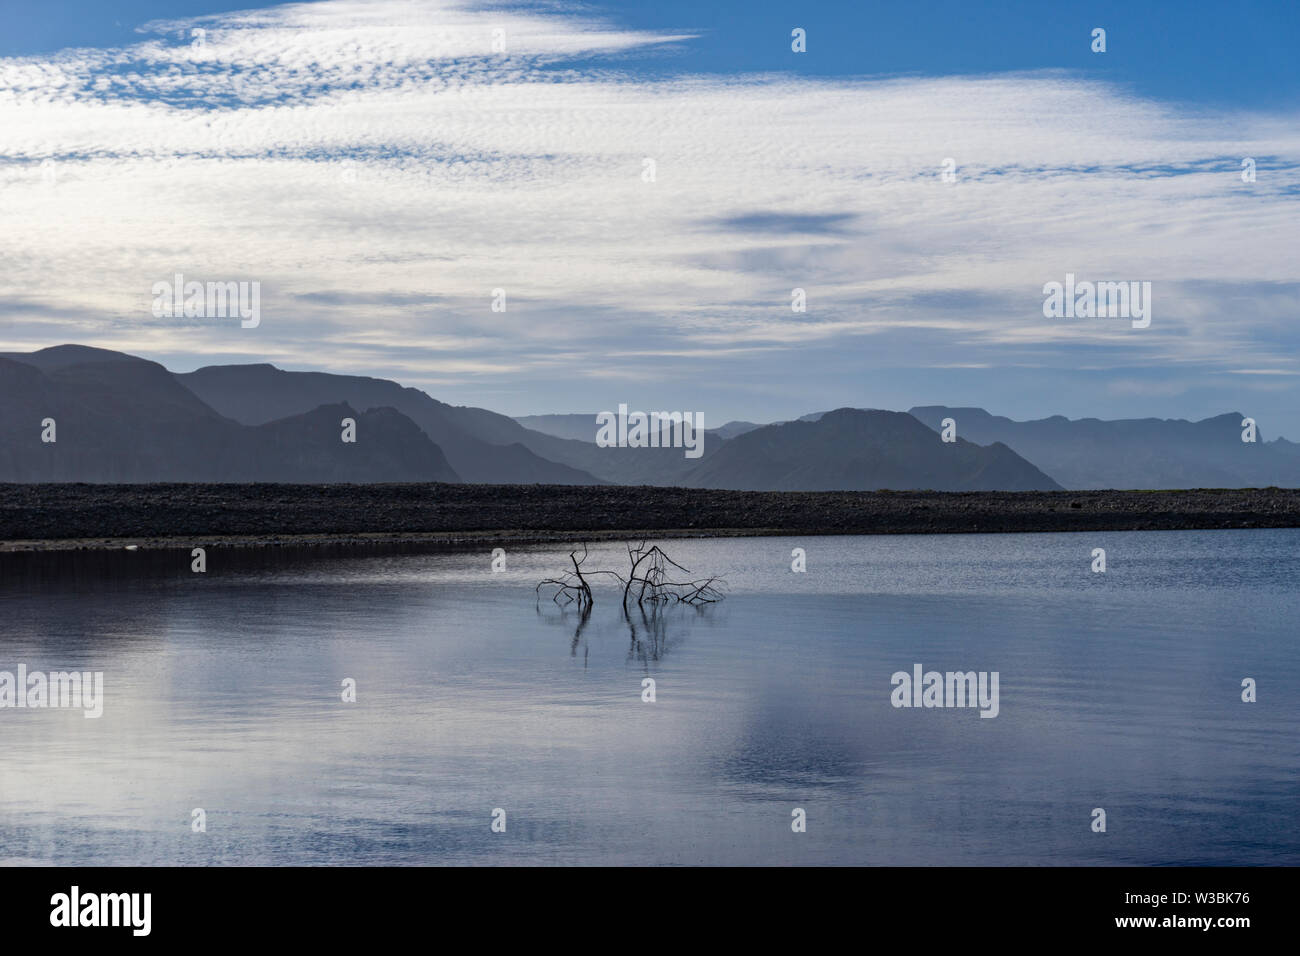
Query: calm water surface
x=1119, y=690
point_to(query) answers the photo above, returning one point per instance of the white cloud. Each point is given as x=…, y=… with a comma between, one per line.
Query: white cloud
x=381, y=160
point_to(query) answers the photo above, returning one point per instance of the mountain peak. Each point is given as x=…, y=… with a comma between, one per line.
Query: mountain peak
x=62, y=356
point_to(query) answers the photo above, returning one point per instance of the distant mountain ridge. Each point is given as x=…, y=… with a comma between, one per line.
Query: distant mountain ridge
x=255, y=394
x=117, y=418
x=123, y=418
x=863, y=450
x=1155, y=453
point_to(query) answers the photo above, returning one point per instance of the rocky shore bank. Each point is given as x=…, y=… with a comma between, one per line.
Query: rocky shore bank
x=71, y=516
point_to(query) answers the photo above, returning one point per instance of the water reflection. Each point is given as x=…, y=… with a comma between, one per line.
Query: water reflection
x=1120, y=690
x=652, y=632
x=578, y=620
x=649, y=631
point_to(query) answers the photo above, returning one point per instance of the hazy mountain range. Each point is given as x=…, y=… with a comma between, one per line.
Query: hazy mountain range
x=119, y=418
x=1134, y=453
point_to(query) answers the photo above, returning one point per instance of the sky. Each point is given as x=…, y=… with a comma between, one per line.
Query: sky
x=381, y=168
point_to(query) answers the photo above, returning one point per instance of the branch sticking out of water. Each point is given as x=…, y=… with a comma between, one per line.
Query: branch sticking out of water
x=651, y=579
x=650, y=582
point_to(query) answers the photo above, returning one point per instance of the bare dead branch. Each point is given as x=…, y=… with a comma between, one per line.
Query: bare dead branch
x=649, y=581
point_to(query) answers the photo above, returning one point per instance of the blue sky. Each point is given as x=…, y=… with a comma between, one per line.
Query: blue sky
x=380, y=170
x=1190, y=50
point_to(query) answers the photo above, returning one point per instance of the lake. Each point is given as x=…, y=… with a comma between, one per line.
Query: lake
x=223, y=691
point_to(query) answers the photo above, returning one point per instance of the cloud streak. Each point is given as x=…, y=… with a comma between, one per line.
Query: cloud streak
x=381, y=168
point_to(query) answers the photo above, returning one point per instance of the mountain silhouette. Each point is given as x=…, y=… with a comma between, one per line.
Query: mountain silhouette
x=861, y=450
x=478, y=446
x=1152, y=453
x=118, y=418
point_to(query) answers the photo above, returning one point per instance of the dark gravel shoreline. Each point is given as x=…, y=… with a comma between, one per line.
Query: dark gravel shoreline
x=72, y=516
